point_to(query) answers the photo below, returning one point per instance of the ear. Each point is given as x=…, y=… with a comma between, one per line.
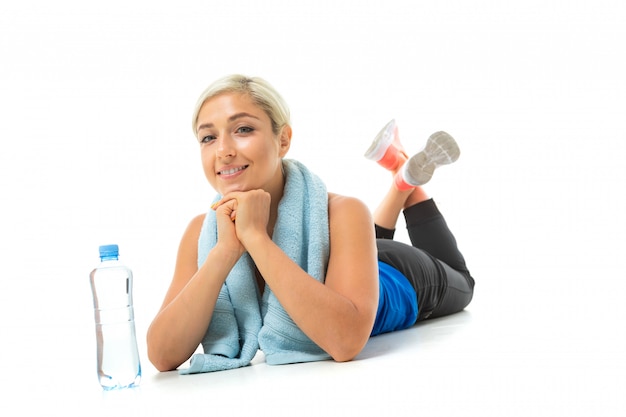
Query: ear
x=284, y=140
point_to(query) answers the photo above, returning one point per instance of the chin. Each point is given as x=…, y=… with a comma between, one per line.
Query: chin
x=231, y=189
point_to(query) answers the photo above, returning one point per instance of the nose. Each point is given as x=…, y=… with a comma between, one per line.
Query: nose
x=225, y=146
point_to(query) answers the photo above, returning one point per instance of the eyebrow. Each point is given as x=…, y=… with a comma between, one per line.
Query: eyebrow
x=230, y=119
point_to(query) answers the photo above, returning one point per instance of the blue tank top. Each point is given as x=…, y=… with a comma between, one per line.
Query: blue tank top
x=397, y=304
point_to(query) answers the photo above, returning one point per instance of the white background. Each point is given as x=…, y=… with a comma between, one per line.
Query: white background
x=95, y=106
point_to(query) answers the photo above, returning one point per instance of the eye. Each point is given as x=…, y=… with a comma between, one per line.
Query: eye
x=245, y=129
x=207, y=139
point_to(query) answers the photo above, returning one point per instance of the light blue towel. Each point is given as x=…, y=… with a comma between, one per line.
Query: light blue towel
x=240, y=325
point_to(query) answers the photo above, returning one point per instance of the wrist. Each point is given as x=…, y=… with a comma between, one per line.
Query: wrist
x=256, y=241
x=225, y=255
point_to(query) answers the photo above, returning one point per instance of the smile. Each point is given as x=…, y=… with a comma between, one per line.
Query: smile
x=232, y=170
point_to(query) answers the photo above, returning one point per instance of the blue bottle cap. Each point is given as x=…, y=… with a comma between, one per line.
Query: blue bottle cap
x=109, y=251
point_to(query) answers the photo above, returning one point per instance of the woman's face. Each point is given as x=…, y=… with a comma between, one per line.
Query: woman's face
x=238, y=148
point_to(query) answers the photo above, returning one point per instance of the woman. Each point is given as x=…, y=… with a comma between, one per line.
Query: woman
x=281, y=264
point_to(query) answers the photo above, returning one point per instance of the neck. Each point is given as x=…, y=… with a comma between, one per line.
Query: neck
x=276, y=195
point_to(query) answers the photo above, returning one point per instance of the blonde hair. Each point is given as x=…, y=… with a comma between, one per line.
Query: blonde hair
x=259, y=90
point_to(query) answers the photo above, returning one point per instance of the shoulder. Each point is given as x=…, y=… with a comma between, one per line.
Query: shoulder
x=199, y=219
x=343, y=201
x=187, y=258
x=346, y=209
x=196, y=223
x=192, y=233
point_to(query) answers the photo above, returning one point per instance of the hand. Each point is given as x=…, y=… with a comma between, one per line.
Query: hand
x=225, y=212
x=249, y=210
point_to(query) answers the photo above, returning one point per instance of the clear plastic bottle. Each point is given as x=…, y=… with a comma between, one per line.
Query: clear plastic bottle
x=118, y=355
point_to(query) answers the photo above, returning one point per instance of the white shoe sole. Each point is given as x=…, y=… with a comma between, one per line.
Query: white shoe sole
x=381, y=142
x=440, y=149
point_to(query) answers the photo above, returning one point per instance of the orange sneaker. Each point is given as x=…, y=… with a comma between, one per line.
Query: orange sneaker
x=440, y=149
x=386, y=148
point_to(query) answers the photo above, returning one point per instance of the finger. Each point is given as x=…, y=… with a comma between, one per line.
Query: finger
x=218, y=203
x=225, y=199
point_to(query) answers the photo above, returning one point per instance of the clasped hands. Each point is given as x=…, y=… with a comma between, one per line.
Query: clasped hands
x=242, y=216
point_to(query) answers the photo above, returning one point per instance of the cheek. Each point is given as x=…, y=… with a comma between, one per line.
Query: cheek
x=208, y=165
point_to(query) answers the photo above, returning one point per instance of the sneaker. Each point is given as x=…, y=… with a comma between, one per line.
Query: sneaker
x=386, y=148
x=440, y=149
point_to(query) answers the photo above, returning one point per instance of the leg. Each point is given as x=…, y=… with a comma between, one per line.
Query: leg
x=433, y=264
x=408, y=173
x=387, y=213
x=429, y=232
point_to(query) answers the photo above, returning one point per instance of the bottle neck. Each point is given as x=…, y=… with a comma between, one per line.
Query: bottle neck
x=108, y=258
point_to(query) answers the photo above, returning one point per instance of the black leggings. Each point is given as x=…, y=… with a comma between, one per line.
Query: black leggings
x=433, y=264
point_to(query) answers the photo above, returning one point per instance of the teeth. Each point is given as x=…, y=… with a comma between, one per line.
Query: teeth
x=232, y=171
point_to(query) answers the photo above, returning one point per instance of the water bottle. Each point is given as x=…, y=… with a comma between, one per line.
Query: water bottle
x=118, y=355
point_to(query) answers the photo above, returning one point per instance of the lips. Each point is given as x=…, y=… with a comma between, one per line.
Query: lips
x=232, y=171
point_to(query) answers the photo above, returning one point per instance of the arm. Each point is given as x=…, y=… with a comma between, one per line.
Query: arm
x=186, y=312
x=345, y=306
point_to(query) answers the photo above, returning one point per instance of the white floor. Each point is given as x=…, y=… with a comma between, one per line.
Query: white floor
x=96, y=149
x=542, y=353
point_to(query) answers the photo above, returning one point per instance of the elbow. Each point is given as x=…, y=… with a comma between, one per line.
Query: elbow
x=348, y=343
x=343, y=357
x=345, y=352
x=161, y=363
x=163, y=366
x=158, y=361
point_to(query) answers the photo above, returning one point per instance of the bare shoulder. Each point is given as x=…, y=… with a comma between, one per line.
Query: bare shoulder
x=194, y=227
x=188, y=248
x=344, y=208
x=196, y=223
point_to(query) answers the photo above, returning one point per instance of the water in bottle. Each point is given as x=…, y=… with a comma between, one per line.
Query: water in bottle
x=118, y=355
